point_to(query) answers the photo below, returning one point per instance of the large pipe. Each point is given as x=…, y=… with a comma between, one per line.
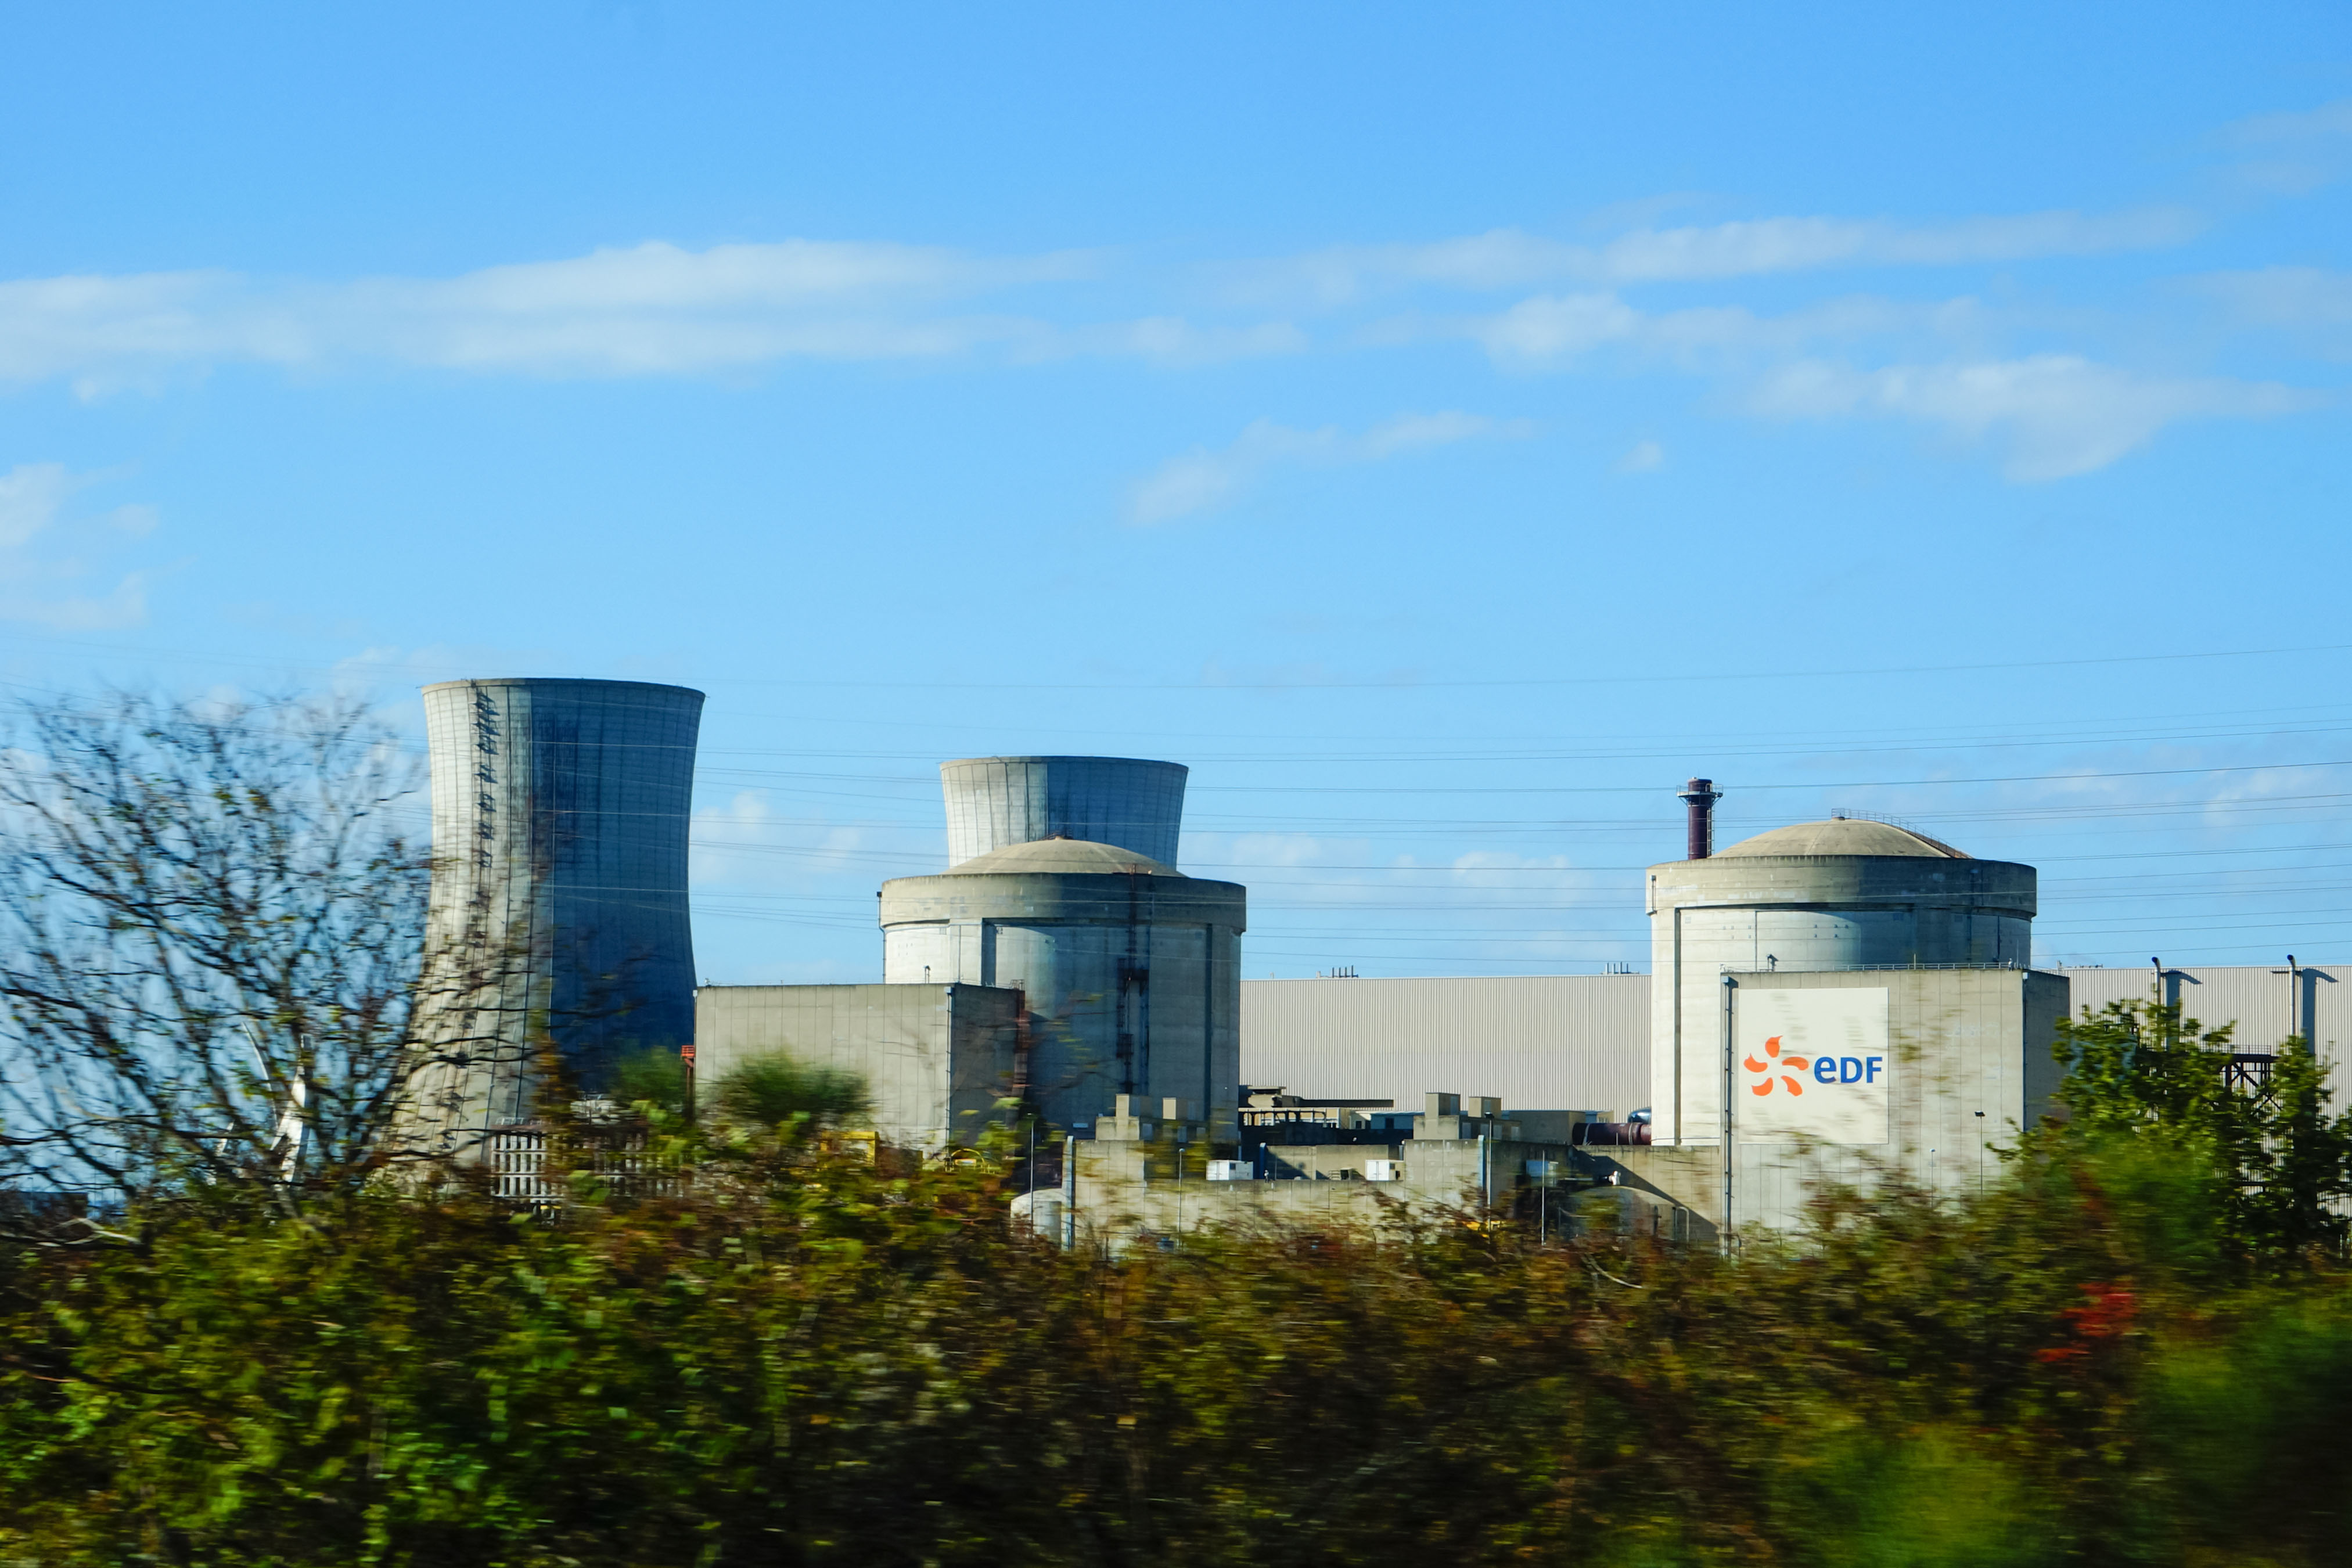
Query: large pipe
x=1700, y=795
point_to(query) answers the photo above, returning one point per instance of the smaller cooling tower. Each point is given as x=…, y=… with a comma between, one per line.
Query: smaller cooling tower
x=994, y=803
x=559, y=903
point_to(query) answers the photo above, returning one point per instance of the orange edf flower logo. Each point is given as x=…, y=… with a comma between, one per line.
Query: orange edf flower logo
x=1794, y=1064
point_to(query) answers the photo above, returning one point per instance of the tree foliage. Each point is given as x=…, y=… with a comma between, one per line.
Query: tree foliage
x=2142, y=1076
x=775, y=1090
x=211, y=928
x=801, y=1359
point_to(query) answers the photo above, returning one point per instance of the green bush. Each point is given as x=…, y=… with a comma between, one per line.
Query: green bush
x=804, y=1360
x=775, y=1090
x=2135, y=1348
x=652, y=1078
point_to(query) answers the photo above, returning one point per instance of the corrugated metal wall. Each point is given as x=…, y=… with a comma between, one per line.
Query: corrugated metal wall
x=1562, y=1042
x=2264, y=1004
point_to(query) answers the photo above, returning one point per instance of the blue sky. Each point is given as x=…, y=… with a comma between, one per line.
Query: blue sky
x=1444, y=428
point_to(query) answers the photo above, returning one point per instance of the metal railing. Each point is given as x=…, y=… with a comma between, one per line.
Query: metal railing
x=1806, y=968
x=2247, y=1072
x=518, y=1161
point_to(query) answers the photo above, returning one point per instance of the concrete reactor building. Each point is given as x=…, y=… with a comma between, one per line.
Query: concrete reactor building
x=1835, y=997
x=1061, y=887
x=558, y=900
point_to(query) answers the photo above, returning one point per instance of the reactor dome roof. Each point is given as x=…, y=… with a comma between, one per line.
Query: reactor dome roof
x=1842, y=835
x=1063, y=856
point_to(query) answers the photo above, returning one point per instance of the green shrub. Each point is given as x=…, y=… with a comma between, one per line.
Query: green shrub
x=801, y=1358
x=773, y=1090
x=656, y=1077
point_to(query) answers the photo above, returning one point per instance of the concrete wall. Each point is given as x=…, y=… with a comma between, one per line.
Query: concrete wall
x=560, y=816
x=993, y=801
x=1549, y=1042
x=936, y=1059
x=1972, y=1066
x=1126, y=1189
x=1132, y=982
x=1809, y=911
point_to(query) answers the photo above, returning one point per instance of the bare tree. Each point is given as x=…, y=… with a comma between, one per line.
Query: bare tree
x=212, y=929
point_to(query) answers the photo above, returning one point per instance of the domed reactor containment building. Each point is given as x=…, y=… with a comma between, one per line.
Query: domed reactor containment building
x=1061, y=885
x=1844, y=997
x=559, y=818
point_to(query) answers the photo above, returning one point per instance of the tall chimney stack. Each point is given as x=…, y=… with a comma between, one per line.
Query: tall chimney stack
x=1700, y=795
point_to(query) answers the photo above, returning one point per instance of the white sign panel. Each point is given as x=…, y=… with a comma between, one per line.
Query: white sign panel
x=1811, y=1064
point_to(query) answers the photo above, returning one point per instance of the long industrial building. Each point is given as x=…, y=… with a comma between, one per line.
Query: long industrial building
x=1584, y=1040
x=1564, y=1041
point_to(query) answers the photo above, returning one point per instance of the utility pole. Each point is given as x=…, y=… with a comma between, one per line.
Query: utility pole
x=1731, y=1050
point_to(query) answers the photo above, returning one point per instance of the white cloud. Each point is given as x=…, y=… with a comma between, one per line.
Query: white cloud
x=125, y=606
x=41, y=553
x=661, y=277
x=30, y=495
x=1548, y=331
x=1498, y=871
x=2285, y=296
x=2057, y=415
x=746, y=846
x=1204, y=479
x=1642, y=458
x=1553, y=327
x=648, y=310
x=2297, y=153
x=388, y=672
x=2328, y=121
x=1171, y=340
x=136, y=519
x=1791, y=244
x=2051, y=414
x=1505, y=258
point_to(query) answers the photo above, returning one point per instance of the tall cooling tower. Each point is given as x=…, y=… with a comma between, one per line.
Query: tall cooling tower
x=560, y=816
x=994, y=803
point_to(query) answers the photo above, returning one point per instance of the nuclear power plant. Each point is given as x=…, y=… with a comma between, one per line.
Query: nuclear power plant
x=1827, y=1002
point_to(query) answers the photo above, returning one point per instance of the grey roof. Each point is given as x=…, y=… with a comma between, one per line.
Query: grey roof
x=1062, y=856
x=1842, y=835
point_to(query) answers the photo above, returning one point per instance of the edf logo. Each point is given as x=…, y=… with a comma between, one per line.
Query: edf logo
x=1817, y=1061
x=1787, y=1069
x=1847, y=1070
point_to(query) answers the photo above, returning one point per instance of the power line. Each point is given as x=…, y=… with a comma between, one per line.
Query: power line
x=346, y=668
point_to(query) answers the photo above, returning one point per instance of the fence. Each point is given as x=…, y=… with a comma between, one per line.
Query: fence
x=521, y=1170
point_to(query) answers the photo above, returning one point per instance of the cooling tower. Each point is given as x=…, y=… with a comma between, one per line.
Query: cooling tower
x=994, y=803
x=560, y=816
